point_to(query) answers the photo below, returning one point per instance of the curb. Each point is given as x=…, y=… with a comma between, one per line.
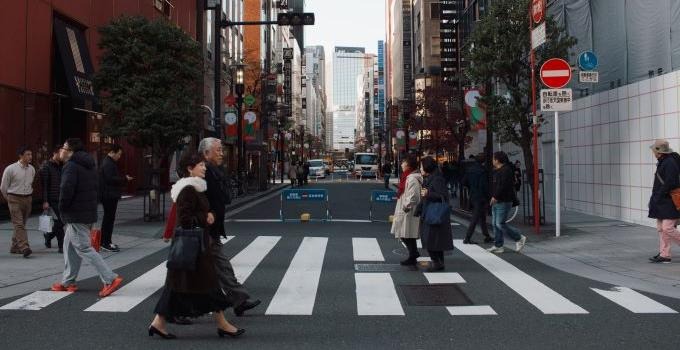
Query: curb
x=259, y=195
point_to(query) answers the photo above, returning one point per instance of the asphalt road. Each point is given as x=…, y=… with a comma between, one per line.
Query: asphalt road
x=313, y=297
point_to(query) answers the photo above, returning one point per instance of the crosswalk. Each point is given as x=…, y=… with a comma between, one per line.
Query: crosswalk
x=375, y=293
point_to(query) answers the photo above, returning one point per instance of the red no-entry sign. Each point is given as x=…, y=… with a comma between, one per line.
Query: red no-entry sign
x=555, y=73
x=537, y=10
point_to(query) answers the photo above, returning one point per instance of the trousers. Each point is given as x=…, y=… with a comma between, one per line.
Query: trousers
x=19, y=210
x=77, y=247
x=667, y=234
x=110, y=207
x=235, y=292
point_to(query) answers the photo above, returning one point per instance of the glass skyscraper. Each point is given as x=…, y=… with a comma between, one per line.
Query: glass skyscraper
x=348, y=65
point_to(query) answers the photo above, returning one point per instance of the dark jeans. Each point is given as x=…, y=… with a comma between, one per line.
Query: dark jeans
x=499, y=214
x=412, y=247
x=110, y=207
x=235, y=292
x=387, y=181
x=58, y=228
x=478, y=217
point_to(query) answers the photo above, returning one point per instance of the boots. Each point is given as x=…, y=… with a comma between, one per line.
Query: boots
x=413, y=254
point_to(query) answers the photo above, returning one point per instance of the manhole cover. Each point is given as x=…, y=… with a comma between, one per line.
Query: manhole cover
x=381, y=268
x=435, y=295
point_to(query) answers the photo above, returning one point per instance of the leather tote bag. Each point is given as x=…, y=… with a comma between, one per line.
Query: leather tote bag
x=186, y=245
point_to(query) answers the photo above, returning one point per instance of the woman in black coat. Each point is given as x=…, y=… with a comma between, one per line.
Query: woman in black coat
x=436, y=238
x=193, y=293
x=661, y=206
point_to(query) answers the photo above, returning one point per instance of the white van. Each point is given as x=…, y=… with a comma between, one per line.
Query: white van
x=317, y=168
x=365, y=165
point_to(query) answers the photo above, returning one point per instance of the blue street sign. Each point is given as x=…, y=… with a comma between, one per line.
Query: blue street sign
x=305, y=195
x=384, y=196
x=587, y=60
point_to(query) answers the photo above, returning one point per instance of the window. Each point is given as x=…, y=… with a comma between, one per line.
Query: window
x=434, y=10
x=436, y=47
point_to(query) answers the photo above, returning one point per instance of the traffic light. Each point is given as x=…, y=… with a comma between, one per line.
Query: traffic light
x=295, y=19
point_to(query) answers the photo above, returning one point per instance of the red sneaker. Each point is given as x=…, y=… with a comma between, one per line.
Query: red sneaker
x=58, y=287
x=110, y=288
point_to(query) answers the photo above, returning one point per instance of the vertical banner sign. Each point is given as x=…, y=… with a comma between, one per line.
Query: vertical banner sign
x=230, y=122
x=288, y=79
x=473, y=111
x=400, y=134
x=250, y=126
x=407, y=48
x=413, y=140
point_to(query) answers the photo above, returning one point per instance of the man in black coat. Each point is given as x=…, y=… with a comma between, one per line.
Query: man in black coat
x=218, y=196
x=502, y=197
x=387, y=171
x=477, y=180
x=661, y=206
x=50, y=179
x=78, y=208
x=111, y=192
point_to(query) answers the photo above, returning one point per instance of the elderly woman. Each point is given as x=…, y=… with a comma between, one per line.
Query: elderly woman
x=405, y=224
x=436, y=238
x=192, y=293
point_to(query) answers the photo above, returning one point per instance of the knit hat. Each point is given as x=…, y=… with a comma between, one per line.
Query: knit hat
x=661, y=146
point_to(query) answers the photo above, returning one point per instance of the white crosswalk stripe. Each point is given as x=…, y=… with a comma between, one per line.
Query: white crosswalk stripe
x=366, y=249
x=376, y=295
x=36, y=300
x=133, y=293
x=246, y=261
x=634, y=301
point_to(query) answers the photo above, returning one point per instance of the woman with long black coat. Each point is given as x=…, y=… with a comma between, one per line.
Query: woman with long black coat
x=193, y=293
x=436, y=238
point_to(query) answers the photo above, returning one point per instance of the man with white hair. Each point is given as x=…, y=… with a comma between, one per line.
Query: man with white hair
x=218, y=196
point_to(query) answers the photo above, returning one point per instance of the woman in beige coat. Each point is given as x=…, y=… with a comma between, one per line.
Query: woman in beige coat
x=405, y=225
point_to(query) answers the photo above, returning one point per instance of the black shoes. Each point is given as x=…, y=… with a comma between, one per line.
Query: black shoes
x=239, y=332
x=469, y=241
x=245, y=306
x=660, y=259
x=153, y=330
x=110, y=248
x=411, y=261
x=27, y=252
x=435, y=267
x=48, y=240
x=182, y=321
x=489, y=240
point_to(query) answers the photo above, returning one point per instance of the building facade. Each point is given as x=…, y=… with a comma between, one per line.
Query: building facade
x=348, y=66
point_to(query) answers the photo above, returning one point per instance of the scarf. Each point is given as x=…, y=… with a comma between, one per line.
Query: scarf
x=402, y=182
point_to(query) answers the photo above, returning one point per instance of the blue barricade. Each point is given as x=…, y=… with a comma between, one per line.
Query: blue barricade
x=301, y=195
x=381, y=197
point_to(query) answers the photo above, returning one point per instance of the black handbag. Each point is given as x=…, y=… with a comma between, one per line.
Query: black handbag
x=186, y=245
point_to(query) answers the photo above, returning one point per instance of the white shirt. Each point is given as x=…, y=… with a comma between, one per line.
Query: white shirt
x=17, y=179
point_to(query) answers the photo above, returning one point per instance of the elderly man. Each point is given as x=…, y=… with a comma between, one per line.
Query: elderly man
x=17, y=188
x=218, y=196
x=661, y=206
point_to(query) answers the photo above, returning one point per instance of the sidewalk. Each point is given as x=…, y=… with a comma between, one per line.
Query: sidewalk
x=136, y=238
x=601, y=249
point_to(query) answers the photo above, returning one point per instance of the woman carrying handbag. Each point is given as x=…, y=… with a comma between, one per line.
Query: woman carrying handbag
x=435, y=214
x=405, y=224
x=191, y=288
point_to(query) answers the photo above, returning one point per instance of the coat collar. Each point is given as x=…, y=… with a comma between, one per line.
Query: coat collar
x=196, y=182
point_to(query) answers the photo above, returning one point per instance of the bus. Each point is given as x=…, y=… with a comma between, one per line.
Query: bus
x=365, y=165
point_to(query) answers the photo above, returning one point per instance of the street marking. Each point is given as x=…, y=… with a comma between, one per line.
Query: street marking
x=367, y=249
x=36, y=300
x=535, y=292
x=472, y=310
x=133, y=293
x=351, y=220
x=634, y=301
x=555, y=73
x=224, y=240
x=251, y=220
x=297, y=292
x=246, y=261
x=376, y=295
x=441, y=278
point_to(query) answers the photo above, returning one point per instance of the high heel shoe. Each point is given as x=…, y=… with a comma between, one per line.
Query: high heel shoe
x=153, y=330
x=239, y=331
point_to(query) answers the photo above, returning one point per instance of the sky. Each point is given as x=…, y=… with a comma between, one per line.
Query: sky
x=346, y=23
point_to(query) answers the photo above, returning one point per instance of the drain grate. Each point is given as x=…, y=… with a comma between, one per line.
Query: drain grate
x=435, y=295
x=382, y=268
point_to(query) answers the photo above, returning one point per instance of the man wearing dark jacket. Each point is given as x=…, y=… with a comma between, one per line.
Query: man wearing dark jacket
x=218, y=196
x=387, y=171
x=111, y=192
x=661, y=205
x=50, y=179
x=78, y=208
x=502, y=197
x=477, y=180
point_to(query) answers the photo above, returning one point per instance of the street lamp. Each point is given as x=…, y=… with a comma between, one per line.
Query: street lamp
x=239, y=87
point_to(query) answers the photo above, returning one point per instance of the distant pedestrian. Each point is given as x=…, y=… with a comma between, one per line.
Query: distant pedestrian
x=405, y=224
x=387, y=172
x=436, y=238
x=218, y=196
x=292, y=173
x=17, y=188
x=111, y=182
x=78, y=209
x=517, y=169
x=300, y=174
x=661, y=206
x=306, y=167
x=503, y=196
x=477, y=180
x=193, y=293
x=50, y=179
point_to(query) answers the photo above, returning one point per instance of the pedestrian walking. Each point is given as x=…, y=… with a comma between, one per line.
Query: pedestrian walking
x=436, y=238
x=292, y=173
x=111, y=183
x=661, y=206
x=78, y=209
x=405, y=224
x=477, y=180
x=387, y=172
x=502, y=198
x=300, y=174
x=194, y=293
x=17, y=188
x=50, y=179
x=306, y=167
x=218, y=197
x=517, y=171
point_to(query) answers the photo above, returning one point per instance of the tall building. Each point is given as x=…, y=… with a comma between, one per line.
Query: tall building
x=379, y=125
x=315, y=71
x=426, y=37
x=365, y=101
x=448, y=36
x=348, y=65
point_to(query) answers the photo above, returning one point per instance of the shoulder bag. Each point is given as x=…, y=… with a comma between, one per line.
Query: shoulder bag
x=436, y=213
x=186, y=245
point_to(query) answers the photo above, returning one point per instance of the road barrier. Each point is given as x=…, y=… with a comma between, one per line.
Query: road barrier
x=304, y=195
x=385, y=197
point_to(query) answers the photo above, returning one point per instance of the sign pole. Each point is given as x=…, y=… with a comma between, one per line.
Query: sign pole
x=537, y=216
x=557, y=175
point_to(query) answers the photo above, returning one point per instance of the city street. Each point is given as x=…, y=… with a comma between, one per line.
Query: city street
x=338, y=285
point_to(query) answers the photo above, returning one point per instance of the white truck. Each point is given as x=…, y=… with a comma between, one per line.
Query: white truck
x=365, y=165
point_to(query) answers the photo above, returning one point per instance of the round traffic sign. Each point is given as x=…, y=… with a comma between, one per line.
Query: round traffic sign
x=537, y=10
x=230, y=100
x=249, y=100
x=230, y=118
x=587, y=60
x=555, y=73
x=250, y=117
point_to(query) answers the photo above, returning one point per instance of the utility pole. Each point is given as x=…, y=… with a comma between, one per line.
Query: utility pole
x=218, y=71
